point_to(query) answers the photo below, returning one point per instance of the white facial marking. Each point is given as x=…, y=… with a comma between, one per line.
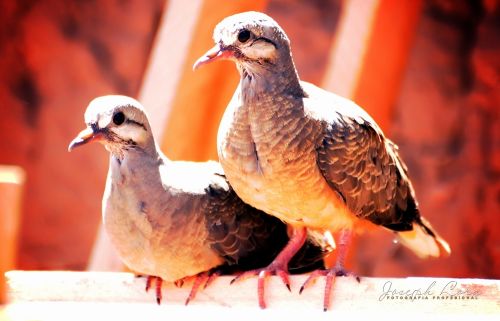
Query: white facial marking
x=260, y=50
x=130, y=132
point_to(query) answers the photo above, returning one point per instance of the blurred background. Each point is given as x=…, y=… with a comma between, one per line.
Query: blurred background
x=427, y=71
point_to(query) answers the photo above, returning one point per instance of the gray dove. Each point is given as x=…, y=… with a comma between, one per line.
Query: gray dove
x=309, y=157
x=172, y=219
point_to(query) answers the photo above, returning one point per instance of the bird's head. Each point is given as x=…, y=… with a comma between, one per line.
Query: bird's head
x=251, y=39
x=118, y=122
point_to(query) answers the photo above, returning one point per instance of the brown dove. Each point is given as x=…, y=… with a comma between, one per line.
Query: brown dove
x=174, y=219
x=309, y=157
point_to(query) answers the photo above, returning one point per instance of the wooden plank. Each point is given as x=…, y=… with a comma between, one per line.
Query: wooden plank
x=11, y=189
x=370, y=51
x=471, y=296
x=386, y=57
x=349, y=46
x=167, y=59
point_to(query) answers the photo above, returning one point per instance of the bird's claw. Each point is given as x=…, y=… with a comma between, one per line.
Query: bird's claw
x=330, y=275
x=158, y=285
x=262, y=274
x=312, y=278
x=205, y=278
x=284, y=278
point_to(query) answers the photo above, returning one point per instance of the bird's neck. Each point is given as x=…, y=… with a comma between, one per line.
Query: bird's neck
x=272, y=93
x=137, y=163
x=262, y=84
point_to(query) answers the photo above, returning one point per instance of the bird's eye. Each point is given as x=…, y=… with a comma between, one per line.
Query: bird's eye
x=243, y=36
x=118, y=118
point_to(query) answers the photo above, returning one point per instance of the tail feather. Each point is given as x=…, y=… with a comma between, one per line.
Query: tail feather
x=424, y=241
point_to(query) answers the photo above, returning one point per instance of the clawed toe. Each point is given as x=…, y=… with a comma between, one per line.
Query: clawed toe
x=343, y=272
x=330, y=275
x=312, y=278
x=205, y=279
x=263, y=274
x=158, y=284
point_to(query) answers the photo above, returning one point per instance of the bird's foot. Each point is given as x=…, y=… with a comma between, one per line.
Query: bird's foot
x=158, y=283
x=330, y=274
x=279, y=266
x=273, y=269
x=203, y=278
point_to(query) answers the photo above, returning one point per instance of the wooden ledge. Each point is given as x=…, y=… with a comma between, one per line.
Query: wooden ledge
x=433, y=296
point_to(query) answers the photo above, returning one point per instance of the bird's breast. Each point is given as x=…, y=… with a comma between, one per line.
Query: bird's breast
x=156, y=231
x=273, y=168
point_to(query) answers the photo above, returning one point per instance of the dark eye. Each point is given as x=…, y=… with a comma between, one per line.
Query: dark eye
x=118, y=118
x=243, y=36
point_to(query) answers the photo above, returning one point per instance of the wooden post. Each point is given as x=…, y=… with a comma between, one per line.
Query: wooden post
x=369, y=53
x=11, y=188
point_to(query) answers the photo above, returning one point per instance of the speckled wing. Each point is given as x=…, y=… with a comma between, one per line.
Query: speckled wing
x=364, y=167
x=248, y=238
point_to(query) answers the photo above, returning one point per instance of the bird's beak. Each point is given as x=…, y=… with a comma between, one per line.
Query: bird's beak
x=85, y=136
x=216, y=53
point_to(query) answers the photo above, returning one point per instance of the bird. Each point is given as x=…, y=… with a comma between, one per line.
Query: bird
x=307, y=156
x=175, y=220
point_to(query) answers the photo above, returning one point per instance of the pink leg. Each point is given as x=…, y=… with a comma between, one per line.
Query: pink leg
x=337, y=270
x=344, y=242
x=279, y=266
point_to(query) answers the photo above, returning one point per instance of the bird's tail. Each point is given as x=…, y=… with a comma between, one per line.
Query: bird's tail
x=424, y=241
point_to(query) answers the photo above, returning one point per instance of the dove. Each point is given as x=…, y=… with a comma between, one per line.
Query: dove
x=172, y=220
x=307, y=156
